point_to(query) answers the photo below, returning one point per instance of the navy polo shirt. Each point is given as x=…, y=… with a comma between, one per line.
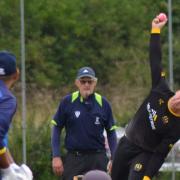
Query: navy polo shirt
x=84, y=122
x=7, y=110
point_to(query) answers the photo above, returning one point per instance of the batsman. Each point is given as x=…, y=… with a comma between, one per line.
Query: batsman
x=9, y=74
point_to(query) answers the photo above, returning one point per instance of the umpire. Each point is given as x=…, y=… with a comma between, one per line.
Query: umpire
x=155, y=127
x=85, y=115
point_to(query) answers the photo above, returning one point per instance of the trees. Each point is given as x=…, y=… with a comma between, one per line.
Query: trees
x=62, y=36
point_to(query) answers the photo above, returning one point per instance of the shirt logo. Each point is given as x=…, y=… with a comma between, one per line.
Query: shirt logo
x=97, y=122
x=152, y=116
x=161, y=101
x=77, y=113
x=2, y=72
x=165, y=119
x=138, y=167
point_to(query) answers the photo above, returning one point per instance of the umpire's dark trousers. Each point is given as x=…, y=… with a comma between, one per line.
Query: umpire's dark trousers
x=78, y=163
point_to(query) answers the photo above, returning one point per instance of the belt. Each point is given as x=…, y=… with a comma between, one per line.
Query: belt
x=84, y=152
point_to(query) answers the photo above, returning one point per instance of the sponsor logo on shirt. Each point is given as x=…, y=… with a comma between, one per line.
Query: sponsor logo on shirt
x=152, y=116
x=165, y=119
x=77, y=113
x=161, y=101
x=97, y=122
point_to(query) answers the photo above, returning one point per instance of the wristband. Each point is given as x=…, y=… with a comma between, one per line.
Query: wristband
x=3, y=150
x=155, y=31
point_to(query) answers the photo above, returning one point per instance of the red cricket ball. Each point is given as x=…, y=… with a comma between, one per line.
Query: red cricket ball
x=162, y=17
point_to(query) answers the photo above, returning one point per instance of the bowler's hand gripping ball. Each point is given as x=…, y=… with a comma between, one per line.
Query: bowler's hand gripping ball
x=162, y=17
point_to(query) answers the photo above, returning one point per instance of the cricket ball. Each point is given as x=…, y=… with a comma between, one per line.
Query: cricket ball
x=162, y=17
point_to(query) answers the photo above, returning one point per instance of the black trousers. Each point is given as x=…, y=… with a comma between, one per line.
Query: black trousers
x=130, y=161
x=80, y=163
